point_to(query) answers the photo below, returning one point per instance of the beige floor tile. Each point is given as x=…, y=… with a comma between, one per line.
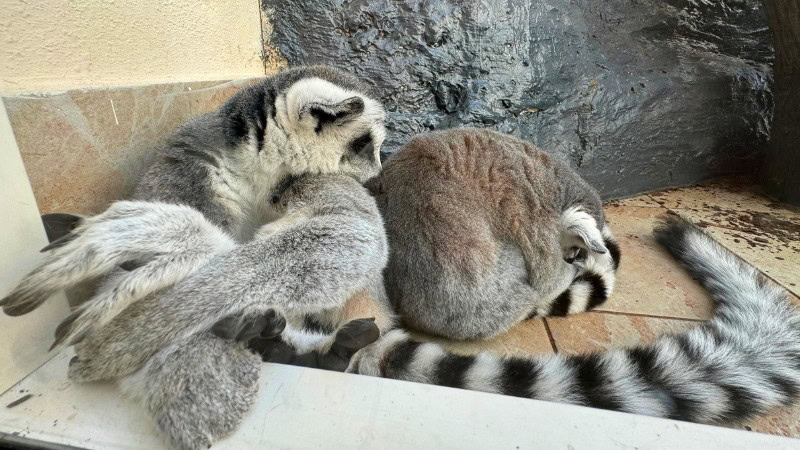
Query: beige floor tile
x=730, y=194
x=528, y=338
x=597, y=331
x=769, y=242
x=649, y=280
x=763, y=233
x=783, y=421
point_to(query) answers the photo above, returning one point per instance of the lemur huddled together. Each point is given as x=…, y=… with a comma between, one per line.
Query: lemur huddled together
x=268, y=230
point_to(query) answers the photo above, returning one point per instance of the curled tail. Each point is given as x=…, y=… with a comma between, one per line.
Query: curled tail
x=595, y=283
x=741, y=363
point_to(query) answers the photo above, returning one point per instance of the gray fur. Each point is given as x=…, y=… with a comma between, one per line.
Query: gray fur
x=195, y=399
x=334, y=247
x=738, y=365
x=226, y=163
x=170, y=273
x=480, y=225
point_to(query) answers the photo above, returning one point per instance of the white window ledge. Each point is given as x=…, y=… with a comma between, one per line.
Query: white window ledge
x=302, y=408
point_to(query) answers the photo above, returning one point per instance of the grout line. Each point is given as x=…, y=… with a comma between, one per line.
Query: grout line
x=652, y=316
x=550, y=335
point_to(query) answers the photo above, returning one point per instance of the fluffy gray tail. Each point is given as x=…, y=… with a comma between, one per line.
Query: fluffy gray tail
x=741, y=363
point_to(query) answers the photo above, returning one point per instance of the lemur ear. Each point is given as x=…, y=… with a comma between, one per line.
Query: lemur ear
x=334, y=113
x=579, y=229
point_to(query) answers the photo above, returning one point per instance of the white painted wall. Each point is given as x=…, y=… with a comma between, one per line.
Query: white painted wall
x=23, y=340
x=56, y=45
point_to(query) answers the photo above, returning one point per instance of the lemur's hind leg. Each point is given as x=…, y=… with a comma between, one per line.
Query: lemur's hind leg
x=198, y=389
x=306, y=268
x=160, y=244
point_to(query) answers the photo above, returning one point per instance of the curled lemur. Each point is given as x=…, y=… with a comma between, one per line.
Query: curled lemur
x=190, y=250
x=487, y=230
x=741, y=363
x=477, y=222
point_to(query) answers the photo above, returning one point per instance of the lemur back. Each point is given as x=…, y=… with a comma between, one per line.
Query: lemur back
x=487, y=230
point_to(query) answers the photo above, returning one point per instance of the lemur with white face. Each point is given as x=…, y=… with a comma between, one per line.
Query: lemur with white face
x=193, y=244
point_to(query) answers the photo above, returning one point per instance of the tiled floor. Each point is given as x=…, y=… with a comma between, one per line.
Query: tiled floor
x=654, y=295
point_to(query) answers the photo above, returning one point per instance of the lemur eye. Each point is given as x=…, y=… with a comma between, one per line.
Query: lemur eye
x=361, y=145
x=575, y=254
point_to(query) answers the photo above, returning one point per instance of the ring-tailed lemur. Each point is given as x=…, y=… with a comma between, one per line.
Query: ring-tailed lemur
x=215, y=181
x=487, y=230
x=742, y=362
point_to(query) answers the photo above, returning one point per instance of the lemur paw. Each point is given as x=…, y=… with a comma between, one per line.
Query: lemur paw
x=349, y=339
x=244, y=327
x=354, y=336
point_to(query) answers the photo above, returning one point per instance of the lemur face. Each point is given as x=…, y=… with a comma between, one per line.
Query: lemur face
x=333, y=129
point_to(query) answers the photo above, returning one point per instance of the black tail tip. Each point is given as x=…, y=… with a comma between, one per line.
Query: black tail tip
x=671, y=230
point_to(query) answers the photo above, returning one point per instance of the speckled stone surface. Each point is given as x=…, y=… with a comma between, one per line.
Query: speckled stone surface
x=764, y=233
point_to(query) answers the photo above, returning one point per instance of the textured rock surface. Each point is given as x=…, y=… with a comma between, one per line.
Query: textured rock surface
x=783, y=159
x=638, y=94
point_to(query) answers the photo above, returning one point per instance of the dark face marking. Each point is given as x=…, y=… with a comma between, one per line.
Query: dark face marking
x=576, y=254
x=258, y=117
x=362, y=145
x=329, y=114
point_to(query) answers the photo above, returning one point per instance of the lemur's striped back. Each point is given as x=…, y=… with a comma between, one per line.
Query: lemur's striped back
x=742, y=362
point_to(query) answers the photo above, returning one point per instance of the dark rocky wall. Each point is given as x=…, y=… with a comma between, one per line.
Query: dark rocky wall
x=638, y=94
x=781, y=174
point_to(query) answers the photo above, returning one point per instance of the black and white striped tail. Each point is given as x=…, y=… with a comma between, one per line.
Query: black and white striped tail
x=741, y=363
x=590, y=289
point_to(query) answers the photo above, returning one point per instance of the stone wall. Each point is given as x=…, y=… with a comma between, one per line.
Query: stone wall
x=780, y=173
x=637, y=94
